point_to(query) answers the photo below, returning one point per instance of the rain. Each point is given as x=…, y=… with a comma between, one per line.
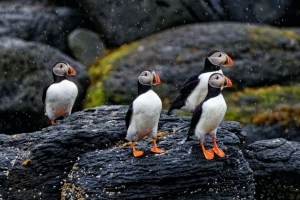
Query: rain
x=52, y=146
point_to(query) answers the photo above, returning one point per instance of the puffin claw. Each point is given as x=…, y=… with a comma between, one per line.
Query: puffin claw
x=208, y=154
x=217, y=150
x=155, y=149
x=135, y=152
x=138, y=153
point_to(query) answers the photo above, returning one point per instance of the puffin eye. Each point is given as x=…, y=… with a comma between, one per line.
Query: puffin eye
x=217, y=77
x=60, y=66
x=220, y=55
x=145, y=74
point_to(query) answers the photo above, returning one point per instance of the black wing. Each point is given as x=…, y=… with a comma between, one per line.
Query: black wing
x=188, y=86
x=128, y=116
x=44, y=93
x=195, y=119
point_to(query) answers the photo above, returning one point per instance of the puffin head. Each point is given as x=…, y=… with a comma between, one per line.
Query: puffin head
x=220, y=58
x=149, y=77
x=218, y=80
x=63, y=69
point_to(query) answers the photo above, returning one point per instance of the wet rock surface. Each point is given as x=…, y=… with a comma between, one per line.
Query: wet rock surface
x=264, y=132
x=80, y=152
x=25, y=69
x=276, y=168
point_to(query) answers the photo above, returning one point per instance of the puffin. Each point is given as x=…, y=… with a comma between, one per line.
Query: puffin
x=209, y=114
x=194, y=88
x=59, y=96
x=144, y=112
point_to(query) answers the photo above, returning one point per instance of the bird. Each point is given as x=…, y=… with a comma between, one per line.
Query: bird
x=144, y=112
x=209, y=114
x=59, y=96
x=194, y=88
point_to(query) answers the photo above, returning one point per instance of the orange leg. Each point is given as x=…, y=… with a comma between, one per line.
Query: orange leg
x=135, y=152
x=155, y=149
x=52, y=122
x=217, y=150
x=209, y=154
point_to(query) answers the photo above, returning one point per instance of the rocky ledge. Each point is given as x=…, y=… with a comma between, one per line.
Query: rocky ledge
x=276, y=168
x=84, y=157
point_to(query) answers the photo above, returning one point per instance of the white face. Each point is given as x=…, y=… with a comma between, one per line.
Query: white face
x=218, y=58
x=61, y=69
x=217, y=80
x=146, y=78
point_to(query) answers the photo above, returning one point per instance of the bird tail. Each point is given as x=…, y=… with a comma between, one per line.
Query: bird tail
x=190, y=134
x=170, y=110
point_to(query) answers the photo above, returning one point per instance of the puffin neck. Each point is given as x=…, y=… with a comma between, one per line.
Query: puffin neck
x=212, y=92
x=143, y=88
x=209, y=67
x=58, y=79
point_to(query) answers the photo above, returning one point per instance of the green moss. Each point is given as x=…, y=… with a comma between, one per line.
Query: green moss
x=266, y=36
x=99, y=71
x=264, y=105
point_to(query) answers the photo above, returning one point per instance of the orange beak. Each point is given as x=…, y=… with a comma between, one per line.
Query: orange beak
x=228, y=82
x=71, y=71
x=228, y=62
x=157, y=79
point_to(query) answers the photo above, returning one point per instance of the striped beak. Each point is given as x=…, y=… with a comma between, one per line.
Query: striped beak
x=71, y=71
x=156, y=80
x=228, y=82
x=228, y=61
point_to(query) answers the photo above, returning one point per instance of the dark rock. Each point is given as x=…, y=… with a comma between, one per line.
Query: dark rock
x=85, y=45
x=276, y=167
x=262, y=11
x=258, y=52
x=39, y=21
x=78, y=158
x=257, y=132
x=26, y=68
x=122, y=22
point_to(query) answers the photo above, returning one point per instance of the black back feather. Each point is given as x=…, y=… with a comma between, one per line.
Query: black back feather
x=190, y=84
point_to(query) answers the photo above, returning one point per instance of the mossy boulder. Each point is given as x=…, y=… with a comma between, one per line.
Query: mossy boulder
x=266, y=112
x=265, y=105
x=263, y=55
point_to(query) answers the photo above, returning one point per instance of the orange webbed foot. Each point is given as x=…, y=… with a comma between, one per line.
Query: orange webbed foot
x=136, y=153
x=217, y=150
x=208, y=154
x=155, y=149
x=52, y=122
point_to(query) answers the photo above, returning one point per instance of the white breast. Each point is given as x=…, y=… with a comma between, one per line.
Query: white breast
x=146, y=113
x=199, y=93
x=60, y=98
x=213, y=111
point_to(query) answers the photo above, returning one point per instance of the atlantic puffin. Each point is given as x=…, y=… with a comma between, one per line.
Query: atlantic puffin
x=194, y=88
x=209, y=114
x=144, y=112
x=60, y=95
